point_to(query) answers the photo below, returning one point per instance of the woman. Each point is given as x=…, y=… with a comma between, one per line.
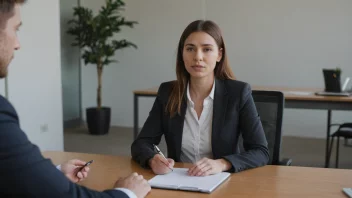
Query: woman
x=203, y=112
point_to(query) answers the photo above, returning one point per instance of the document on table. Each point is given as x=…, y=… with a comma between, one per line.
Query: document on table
x=348, y=192
x=180, y=180
x=300, y=93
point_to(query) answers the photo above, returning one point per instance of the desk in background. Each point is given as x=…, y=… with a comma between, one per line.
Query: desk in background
x=294, y=99
x=265, y=182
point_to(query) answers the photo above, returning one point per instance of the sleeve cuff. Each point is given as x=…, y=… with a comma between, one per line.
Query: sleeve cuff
x=128, y=192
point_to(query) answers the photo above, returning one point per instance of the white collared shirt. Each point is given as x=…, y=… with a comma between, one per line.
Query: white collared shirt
x=196, y=137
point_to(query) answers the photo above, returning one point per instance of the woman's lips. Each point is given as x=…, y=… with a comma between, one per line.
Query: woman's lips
x=198, y=68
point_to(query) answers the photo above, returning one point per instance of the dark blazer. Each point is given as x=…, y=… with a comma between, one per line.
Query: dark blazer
x=234, y=113
x=23, y=170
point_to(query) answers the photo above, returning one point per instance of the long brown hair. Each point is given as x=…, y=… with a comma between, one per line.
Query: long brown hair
x=222, y=69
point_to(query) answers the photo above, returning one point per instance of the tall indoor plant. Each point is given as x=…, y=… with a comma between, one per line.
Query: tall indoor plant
x=94, y=34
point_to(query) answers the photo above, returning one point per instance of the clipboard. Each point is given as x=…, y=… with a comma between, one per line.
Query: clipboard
x=180, y=180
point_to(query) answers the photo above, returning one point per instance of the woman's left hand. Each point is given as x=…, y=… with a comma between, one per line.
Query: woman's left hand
x=208, y=166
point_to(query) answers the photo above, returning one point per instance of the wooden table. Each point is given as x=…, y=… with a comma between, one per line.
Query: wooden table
x=264, y=182
x=301, y=98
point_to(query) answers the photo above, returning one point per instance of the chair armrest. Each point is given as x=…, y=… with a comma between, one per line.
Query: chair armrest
x=285, y=162
x=346, y=125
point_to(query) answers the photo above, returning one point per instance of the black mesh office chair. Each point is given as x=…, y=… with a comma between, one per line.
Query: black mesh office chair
x=344, y=131
x=270, y=106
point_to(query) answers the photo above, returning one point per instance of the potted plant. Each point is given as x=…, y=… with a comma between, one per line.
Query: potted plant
x=94, y=35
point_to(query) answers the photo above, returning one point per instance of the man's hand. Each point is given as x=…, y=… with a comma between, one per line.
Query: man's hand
x=136, y=183
x=71, y=170
x=160, y=165
x=208, y=166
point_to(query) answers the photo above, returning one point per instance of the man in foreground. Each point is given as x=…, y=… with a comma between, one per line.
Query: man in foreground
x=24, y=172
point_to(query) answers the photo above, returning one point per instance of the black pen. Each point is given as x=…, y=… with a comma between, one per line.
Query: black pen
x=87, y=164
x=159, y=152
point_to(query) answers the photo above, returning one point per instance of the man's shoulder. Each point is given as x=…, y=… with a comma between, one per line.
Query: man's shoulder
x=2, y=99
x=7, y=108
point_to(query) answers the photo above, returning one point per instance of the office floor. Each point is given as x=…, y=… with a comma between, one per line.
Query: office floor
x=303, y=151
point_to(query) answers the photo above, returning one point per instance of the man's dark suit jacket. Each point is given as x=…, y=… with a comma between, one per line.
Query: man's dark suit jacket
x=23, y=170
x=234, y=113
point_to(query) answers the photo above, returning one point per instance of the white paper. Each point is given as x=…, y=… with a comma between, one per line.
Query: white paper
x=179, y=179
x=302, y=93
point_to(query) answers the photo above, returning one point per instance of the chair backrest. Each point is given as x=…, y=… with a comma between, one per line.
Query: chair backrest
x=270, y=106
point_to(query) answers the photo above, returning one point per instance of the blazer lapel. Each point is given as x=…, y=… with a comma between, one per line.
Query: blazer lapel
x=176, y=128
x=219, y=110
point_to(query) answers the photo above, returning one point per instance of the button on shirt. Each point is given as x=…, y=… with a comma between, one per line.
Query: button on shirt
x=196, y=137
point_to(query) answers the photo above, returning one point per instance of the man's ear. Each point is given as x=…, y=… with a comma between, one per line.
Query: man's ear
x=219, y=55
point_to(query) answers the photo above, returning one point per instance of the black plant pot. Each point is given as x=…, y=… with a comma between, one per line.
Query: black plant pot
x=98, y=120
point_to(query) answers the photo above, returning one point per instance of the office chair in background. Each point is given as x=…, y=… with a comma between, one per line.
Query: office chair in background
x=344, y=131
x=270, y=106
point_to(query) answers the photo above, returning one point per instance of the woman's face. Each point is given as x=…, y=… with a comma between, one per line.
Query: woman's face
x=200, y=54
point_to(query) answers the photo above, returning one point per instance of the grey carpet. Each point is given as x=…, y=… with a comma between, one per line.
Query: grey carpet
x=303, y=151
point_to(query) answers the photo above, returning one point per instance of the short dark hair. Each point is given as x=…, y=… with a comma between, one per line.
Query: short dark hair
x=6, y=9
x=7, y=6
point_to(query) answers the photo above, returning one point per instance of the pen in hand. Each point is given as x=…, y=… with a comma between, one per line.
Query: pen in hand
x=87, y=164
x=159, y=152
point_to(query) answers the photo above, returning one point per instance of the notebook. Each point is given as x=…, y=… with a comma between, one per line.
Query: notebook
x=180, y=180
x=348, y=192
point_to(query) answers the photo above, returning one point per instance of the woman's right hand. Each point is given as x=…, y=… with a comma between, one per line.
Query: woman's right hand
x=160, y=165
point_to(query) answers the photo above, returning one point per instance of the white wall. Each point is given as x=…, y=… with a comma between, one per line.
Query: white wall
x=287, y=43
x=34, y=76
x=2, y=87
x=272, y=42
